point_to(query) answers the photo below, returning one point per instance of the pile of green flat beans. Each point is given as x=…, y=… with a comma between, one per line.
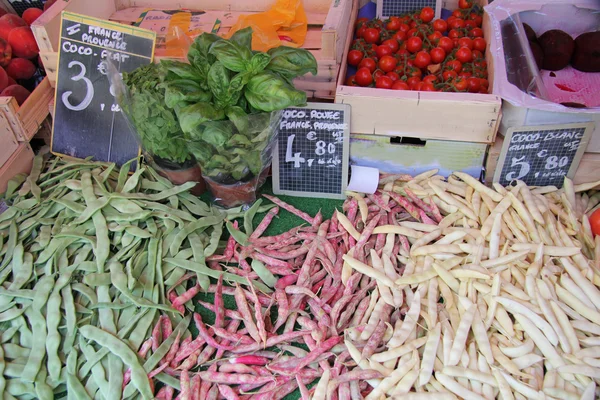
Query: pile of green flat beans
x=83, y=277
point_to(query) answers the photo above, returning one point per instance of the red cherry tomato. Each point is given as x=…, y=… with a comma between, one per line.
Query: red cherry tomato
x=427, y=87
x=413, y=81
x=440, y=25
x=383, y=51
x=470, y=24
x=384, y=82
x=393, y=76
x=363, y=77
x=455, y=34
x=422, y=59
x=393, y=24
x=378, y=73
x=399, y=36
x=454, y=65
x=456, y=14
x=465, y=42
x=400, y=85
x=477, y=55
x=371, y=35
x=391, y=43
x=414, y=44
x=456, y=23
x=474, y=85
x=463, y=4
x=476, y=32
x=477, y=18
x=449, y=75
x=446, y=44
x=595, y=222
x=387, y=63
x=427, y=14
x=368, y=63
x=355, y=57
x=435, y=36
x=404, y=27
x=460, y=84
x=361, y=22
x=430, y=79
x=351, y=81
x=437, y=55
x=464, y=55
x=479, y=44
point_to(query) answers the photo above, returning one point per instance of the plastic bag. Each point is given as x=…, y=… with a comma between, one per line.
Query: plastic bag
x=285, y=23
x=235, y=158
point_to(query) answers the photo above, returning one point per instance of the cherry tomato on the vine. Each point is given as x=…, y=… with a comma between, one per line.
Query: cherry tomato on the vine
x=479, y=44
x=465, y=42
x=391, y=43
x=474, y=85
x=449, y=75
x=427, y=87
x=477, y=18
x=430, y=79
x=363, y=77
x=437, y=55
x=383, y=51
x=460, y=84
x=384, y=82
x=414, y=44
x=470, y=24
x=435, y=36
x=378, y=73
x=463, y=4
x=371, y=35
x=387, y=63
x=454, y=65
x=355, y=57
x=455, y=34
x=427, y=14
x=399, y=36
x=464, y=55
x=393, y=24
x=400, y=85
x=457, y=23
x=446, y=44
x=440, y=25
x=422, y=59
x=476, y=33
x=368, y=63
x=351, y=81
x=394, y=76
x=413, y=81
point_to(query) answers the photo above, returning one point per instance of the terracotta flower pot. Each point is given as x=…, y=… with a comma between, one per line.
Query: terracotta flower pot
x=237, y=194
x=189, y=172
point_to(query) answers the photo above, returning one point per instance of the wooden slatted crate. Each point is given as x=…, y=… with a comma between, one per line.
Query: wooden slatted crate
x=466, y=117
x=326, y=38
x=20, y=162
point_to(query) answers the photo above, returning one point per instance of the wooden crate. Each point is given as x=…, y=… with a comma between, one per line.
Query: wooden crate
x=588, y=171
x=20, y=162
x=326, y=37
x=8, y=140
x=24, y=121
x=464, y=117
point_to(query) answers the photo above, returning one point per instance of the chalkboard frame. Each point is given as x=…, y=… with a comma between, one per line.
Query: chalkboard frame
x=114, y=26
x=589, y=129
x=346, y=109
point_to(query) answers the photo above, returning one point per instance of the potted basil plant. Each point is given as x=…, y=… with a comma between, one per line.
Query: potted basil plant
x=228, y=100
x=157, y=127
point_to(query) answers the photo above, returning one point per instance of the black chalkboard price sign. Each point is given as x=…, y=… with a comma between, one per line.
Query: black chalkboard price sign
x=87, y=119
x=542, y=155
x=312, y=151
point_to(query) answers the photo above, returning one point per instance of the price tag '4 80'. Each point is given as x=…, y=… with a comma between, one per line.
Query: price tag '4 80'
x=322, y=148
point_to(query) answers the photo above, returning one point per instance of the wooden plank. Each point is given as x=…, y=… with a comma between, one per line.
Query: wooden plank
x=336, y=27
x=314, y=6
x=20, y=163
x=7, y=138
x=433, y=115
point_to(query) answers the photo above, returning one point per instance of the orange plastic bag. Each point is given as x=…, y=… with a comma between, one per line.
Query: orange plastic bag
x=284, y=24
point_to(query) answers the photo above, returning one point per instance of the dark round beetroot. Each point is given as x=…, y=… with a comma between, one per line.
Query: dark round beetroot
x=586, y=57
x=558, y=47
x=531, y=36
x=538, y=53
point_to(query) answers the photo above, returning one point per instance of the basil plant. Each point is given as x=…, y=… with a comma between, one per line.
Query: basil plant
x=228, y=101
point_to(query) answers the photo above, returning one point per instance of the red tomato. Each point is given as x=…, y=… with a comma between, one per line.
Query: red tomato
x=460, y=84
x=437, y=55
x=464, y=55
x=360, y=32
x=412, y=81
x=355, y=57
x=391, y=43
x=351, y=81
x=479, y=44
x=393, y=76
x=363, y=77
x=446, y=44
x=427, y=87
x=435, y=36
x=456, y=23
x=412, y=32
x=404, y=27
x=480, y=64
x=422, y=59
x=413, y=23
x=393, y=24
x=414, y=72
x=474, y=85
x=384, y=82
x=455, y=34
x=387, y=63
x=470, y=24
x=371, y=35
x=440, y=25
x=368, y=63
x=484, y=83
x=400, y=85
x=383, y=51
x=378, y=73
x=595, y=222
x=476, y=33
x=465, y=42
x=403, y=52
x=463, y=4
x=454, y=65
x=477, y=18
x=465, y=74
x=477, y=55
x=427, y=14
x=414, y=44
x=361, y=21
x=456, y=14
x=399, y=36
x=430, y=79
x=449, y=75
